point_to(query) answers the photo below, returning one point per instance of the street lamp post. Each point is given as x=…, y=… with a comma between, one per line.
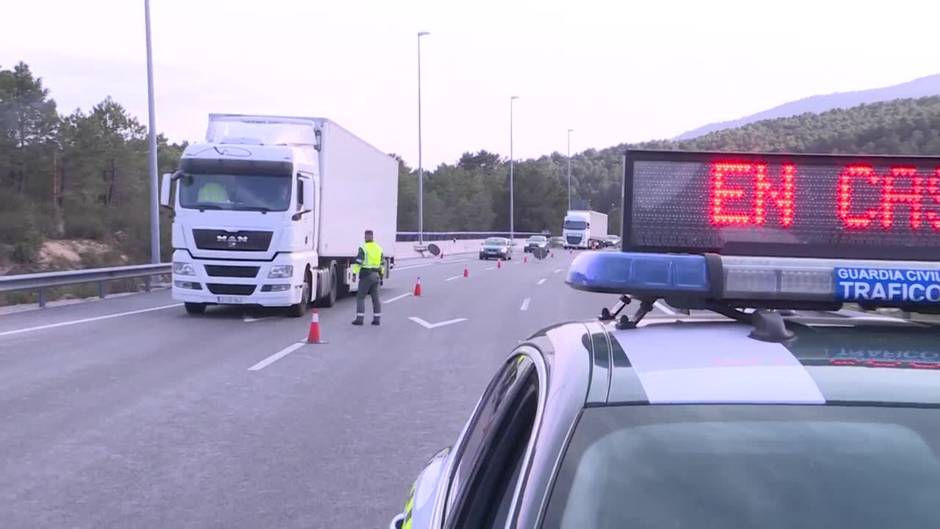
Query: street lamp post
x=420, y=160
x=569, y=168
x=152, y=149
x=512, y=227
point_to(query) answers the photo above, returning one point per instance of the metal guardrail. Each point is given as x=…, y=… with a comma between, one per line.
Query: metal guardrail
x=407, y=236
x=40, y=282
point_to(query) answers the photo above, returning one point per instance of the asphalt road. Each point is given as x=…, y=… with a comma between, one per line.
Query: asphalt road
x=128, y=413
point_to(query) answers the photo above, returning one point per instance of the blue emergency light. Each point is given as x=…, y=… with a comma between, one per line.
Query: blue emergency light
x=758, y=281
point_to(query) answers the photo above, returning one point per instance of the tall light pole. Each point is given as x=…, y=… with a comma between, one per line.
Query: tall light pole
x=420, y=161
x=512, y=227
x=569, y=168
x=152, y=149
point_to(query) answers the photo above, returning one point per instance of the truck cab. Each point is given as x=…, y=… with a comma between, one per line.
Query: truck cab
x=243, y=232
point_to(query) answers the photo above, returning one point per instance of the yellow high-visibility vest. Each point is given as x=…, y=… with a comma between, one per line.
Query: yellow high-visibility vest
x=371, y=254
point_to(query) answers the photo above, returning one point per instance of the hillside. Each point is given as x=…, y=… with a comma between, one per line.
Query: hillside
x=923, y=87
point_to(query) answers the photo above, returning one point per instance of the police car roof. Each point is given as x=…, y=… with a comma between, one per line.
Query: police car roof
x=844, y=357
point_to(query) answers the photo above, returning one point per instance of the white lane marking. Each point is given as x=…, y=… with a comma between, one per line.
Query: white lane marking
x=558, y=270
x=491, y=268
x=423, y=265
x=276, y=356
x=525, y=304
x=396, y=298
x=665, y=308
x=251, y=319
x=541, y=281
x=452, y=278
x=428, y=325
x=88, y=320
x=679, y=364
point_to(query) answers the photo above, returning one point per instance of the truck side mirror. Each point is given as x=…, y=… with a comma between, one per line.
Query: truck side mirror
x=165, y=182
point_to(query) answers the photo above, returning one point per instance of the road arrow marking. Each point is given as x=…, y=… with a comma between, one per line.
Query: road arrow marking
x=427, y=325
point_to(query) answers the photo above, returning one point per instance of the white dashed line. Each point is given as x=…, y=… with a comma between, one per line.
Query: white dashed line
x=559, y=270
x=276, y=356
x=491, y=268
x=525, y=304
x=88, y=320
x=396, y=298
x=541, y=281
x=452, y=278
x=665, y=308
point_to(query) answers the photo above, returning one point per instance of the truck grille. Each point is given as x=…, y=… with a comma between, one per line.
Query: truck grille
x=239, y=241
x=231, y=271
x=574, y=240
x=232, y=290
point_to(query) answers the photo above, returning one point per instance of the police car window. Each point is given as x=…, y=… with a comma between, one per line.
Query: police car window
x=485, y=460
x=730, y=467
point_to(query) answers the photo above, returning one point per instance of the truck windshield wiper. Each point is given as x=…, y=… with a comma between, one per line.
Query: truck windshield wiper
x=203, y=207
x=262, y=209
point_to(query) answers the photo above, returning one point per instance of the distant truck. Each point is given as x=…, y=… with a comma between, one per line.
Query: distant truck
x=584, y=229
x=271, y=212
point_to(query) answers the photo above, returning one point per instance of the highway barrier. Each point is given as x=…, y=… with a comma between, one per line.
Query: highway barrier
x=41, y=281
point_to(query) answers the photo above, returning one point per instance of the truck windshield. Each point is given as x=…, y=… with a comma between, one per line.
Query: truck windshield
x=571, y=224
x=235, y=192
x=737, y=467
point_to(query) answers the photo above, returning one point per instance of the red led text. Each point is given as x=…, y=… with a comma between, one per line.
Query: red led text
x=900, y=188
x=741, y=194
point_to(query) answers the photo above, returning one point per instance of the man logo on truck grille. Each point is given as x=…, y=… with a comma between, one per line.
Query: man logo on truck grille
x=232, y=240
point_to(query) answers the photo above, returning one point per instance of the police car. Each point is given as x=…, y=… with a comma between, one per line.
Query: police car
x=738, y=382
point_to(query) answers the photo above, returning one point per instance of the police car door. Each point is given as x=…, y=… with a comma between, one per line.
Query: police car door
x=490, y=461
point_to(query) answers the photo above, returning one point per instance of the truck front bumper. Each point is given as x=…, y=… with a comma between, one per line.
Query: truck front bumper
x=238, y=282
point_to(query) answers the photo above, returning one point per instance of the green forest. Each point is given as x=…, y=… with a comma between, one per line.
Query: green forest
x=84, y=174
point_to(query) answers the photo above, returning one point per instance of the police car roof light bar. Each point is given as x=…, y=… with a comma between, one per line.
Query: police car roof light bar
x=759, y=282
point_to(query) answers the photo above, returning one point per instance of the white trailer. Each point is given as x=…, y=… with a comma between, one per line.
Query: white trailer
x=584, y=229
x=271, y=211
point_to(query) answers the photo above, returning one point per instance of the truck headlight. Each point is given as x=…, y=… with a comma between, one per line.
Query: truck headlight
x=183, y=269
x=281, y=271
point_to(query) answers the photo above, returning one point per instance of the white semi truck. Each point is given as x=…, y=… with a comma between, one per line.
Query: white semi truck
x=271, y=211
x=584, y=229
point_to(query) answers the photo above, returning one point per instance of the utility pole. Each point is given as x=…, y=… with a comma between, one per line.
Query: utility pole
x=152, y=149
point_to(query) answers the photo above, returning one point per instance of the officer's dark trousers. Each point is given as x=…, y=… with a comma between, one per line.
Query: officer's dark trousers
x=368, y=286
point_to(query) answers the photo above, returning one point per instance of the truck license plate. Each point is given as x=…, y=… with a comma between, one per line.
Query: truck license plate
x=230, y=299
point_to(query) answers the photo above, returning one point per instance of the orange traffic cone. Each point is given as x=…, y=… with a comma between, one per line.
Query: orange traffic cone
x=442, y=254
x=525, y=258
x=313, y=336
x=466, y=271
x=499, y=263
x=418, y=287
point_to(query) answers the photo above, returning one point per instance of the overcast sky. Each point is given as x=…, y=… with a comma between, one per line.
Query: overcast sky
x=614, y=71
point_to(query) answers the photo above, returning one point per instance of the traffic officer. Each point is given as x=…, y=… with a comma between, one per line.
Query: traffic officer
x=369, y=269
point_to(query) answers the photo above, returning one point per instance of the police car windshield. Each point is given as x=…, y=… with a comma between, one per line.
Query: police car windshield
x=496, y=241
x=235, y=192
x=737, y=467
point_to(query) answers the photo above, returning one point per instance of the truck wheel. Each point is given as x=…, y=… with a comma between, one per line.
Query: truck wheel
x=195, y=308
x=329, y=299
x=299, y=309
